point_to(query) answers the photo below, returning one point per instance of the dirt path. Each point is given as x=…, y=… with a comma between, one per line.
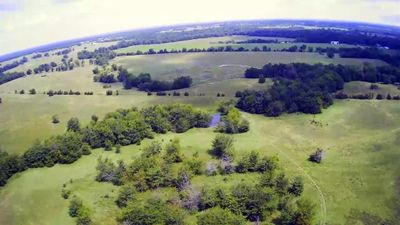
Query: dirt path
x=321, y=195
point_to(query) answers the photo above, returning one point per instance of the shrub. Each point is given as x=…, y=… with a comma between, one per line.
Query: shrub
x=317, y=156
x=222, y=146
x=218, y=216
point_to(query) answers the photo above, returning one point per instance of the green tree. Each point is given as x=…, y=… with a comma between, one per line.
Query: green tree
x=219, y=216
x=222, y=146
x=126, y=194
x=73, y=124
x=173, y=152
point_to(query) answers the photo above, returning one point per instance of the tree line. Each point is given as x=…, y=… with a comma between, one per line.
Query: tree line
x=327, y=35
x=122, y=127
x=300, y=87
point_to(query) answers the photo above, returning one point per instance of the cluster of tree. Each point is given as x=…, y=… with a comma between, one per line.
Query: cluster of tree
x=231, y=120
x=144, y=82
x=64, y=52
x=163, y=93
x=9, y=165
x=257, y=41
x=273, y=196
x=152, y=211
x=13, y=65
x=306, y=88
x=367, y=96
x=151, y=170
x=122, y=127
x=100, y=56
x=77, y=210
x=327, y=35
x=37, y=56
x=6, y=77
x=192, y=50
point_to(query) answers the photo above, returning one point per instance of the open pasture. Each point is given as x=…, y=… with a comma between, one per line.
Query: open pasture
x=357, y=177
x=209, y=67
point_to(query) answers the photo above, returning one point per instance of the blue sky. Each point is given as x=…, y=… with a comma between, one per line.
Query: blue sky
x=28, y=23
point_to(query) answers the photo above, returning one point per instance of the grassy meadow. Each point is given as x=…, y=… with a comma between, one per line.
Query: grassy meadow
x=209, y=67
x=355, y=184
x=358, y=174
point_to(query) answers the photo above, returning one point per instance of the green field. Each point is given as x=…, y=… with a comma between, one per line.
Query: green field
x=356, y=183
x=361, y=139
x=209, y=67
x=225, y=41
x=358, y=87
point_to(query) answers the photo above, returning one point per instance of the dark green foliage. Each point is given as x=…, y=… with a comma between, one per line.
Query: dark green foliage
x=144, y=82
x=300, y=87
x=65, y=193
x=232, y=122
x=178, y=118
x=317, y=156
x=218, y=216
x=149, y=173
x=152, y=149
x=126, y=194
x=117, y=148
x=296, y=187
x=4, y=78
x=173, y=152
x=73, y=125
x=121, y=127
x=300, y=214
x=62, y=149
x=108, y=172
x=85, y=148
x=9, y=165
x=195, y=166
x=74, y=206
x=100, y=56
x=222, y=146
x=78, y=210
x=153, y=211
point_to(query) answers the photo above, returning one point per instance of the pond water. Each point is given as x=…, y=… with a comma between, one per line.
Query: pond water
x=215, y=120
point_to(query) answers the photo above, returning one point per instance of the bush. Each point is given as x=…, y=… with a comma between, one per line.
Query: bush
x=153, y=211
x=126, y=194
x=317, y=156
x=218, y=216
x=55, y=119
x=222, y=146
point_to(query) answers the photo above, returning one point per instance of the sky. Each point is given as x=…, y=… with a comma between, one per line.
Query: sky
x=29, y=23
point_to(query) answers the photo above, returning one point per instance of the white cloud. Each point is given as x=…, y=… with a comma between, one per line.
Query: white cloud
x=36, y=22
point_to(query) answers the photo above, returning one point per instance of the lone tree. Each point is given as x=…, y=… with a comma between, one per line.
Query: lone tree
x=261, y=79
x=55, y=119
x=317, y=156
x=73, y=125
x=222, y=146
x=1, y=100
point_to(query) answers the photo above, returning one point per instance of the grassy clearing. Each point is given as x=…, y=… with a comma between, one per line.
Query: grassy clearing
x=209, y=67
x=360, y=138
x=359, y=87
